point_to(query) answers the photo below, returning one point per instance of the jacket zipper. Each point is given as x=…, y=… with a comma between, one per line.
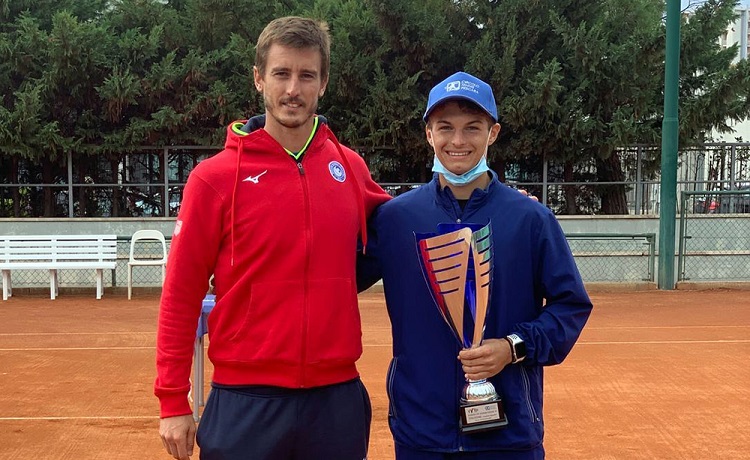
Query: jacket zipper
x=527, y=390
x=308, y=237
x=456, y=214
x=461, y=382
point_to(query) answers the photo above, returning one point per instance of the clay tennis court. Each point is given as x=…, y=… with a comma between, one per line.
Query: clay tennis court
x=656, y=375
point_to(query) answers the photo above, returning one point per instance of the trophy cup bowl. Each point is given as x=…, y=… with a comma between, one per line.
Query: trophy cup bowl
x=460, y=290
x=478, y=391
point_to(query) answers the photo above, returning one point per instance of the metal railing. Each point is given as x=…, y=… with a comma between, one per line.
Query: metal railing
x=614, y=257
x=714, y=236
x=149, y=183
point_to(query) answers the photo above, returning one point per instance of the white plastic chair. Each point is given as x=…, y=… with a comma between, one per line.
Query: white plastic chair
x=146, y=235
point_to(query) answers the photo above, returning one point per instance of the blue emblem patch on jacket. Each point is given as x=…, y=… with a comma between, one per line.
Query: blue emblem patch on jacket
x=337, y=171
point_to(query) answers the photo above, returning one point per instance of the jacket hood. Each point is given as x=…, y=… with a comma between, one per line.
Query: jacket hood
x=243, y=133
x=259, y=121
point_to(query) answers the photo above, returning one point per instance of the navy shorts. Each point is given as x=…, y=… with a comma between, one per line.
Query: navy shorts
x=272, y=423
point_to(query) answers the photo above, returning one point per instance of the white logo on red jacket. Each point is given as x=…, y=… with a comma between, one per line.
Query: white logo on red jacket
x=254, y=179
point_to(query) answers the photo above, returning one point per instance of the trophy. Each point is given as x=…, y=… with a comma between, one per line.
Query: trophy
x=457, y=264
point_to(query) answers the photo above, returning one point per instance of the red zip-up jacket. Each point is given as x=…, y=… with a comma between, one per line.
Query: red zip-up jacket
x=280, y=237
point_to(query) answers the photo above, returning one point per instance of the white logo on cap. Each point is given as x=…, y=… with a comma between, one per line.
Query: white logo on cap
x=462, y=85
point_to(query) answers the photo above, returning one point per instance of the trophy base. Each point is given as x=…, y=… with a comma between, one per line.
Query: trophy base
x=482, y=416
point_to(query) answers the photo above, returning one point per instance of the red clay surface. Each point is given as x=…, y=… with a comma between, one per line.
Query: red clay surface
x=656, y=375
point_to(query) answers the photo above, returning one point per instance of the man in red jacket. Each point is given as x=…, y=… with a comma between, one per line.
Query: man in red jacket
x=275, y=218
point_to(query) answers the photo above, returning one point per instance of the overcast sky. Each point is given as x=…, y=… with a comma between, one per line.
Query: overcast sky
x=685, y=3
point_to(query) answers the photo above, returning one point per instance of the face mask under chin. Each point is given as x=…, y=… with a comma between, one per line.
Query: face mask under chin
x=466, y=178
x=461, y=179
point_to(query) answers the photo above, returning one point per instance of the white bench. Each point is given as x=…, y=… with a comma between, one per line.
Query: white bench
x=55, y=252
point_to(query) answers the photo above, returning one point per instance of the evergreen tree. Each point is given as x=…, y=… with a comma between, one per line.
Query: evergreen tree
x=577, y=80
x=713, y=90
x=387, y=55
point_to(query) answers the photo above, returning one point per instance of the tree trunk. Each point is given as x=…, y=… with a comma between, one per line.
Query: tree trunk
x=15, y=191
x=423, y=177
x=613, y=197
x=49, y=195
x=570, y=192
x=164, y=193
x=82, y=194
x=499, y=167
x=114, y=164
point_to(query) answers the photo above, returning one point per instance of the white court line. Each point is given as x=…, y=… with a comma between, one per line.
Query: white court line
x=114, y=417
x=589, y=328
x=624, y=342
x=77, y=348
x=580, y=342
x=22, y=334
x=660, y=342
x=602, y=328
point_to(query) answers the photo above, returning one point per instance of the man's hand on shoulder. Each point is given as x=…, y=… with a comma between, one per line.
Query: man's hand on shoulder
x=525, y=193
x=178, y=435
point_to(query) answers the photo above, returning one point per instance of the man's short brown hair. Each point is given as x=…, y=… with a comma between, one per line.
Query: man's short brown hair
x=295, y=32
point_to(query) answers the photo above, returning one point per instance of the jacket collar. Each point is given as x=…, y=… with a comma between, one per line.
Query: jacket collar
x=250, y=131
x=445, y=198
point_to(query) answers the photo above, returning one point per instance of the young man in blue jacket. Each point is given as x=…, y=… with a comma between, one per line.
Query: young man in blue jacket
x=537, y=307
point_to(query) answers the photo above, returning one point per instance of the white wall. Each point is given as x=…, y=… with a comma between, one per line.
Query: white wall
x=720, y=244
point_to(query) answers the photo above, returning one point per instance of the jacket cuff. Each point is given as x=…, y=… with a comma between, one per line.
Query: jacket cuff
x=175, y=404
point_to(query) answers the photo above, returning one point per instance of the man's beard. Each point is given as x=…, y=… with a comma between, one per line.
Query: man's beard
x=288, y=123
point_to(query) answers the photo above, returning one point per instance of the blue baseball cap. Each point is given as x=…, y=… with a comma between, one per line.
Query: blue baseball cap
x=462, y=85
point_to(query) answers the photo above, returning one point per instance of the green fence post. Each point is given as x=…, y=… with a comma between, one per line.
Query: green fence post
x=669, y=143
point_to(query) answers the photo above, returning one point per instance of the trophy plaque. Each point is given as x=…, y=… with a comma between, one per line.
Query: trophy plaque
x=457, y=264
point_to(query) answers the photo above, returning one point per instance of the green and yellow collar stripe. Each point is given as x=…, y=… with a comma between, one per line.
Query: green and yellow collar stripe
x=297, y=155
x=237, y=129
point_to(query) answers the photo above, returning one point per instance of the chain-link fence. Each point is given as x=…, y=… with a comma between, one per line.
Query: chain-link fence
x=714, y=236
x=142, y=275
x=614, y=257
x=145, y=183
x=600, y=258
